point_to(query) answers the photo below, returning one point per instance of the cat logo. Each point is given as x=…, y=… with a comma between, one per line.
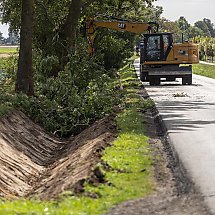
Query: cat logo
x=122, y=25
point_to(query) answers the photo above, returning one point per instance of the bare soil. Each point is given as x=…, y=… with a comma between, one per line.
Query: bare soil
x=33, y=162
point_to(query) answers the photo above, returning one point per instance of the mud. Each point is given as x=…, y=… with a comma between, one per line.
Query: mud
x=33, y=162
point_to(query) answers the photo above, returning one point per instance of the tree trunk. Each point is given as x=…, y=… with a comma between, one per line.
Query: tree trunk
x=68, y=32
x=24, y=82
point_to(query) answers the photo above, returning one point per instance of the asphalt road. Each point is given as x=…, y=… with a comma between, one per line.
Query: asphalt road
x=188, y=113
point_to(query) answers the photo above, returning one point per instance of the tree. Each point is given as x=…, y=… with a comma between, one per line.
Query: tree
x=213, y=51
x=195, y=31
x=210, y=26
x=24, y=81
x=169, y=26
x=184, y=27
x=201, y=25
x=183, y=23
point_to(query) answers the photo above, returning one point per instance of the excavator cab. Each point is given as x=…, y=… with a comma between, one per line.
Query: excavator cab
x=156, y=47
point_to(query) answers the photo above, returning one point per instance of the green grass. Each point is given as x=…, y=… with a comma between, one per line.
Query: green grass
x=8, y=50
x=130, y=167
x=204, y=70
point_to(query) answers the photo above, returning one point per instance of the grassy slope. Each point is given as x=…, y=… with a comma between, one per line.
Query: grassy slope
x=129, y=175
x=205, y=70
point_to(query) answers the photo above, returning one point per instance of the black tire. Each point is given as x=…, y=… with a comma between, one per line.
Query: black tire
x=157, y=81
x=142, y=77
x=184, y=81
x=187, y=80
x=154, y=81
x=151, y=82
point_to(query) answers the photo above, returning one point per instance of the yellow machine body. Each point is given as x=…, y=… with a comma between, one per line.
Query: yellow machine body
x=185, y=53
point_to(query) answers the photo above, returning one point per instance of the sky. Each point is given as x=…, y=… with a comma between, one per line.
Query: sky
x=4, y=30
x=192, y=10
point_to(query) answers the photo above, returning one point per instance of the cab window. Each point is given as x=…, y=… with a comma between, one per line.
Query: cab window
x=165, y=44
x=154, y=48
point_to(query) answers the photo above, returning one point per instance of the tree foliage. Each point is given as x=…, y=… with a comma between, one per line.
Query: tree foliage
x=202, y=25
x=206, y=26
x=168, y=26
x=1, y=36
x=206, y=48
x=72, y=89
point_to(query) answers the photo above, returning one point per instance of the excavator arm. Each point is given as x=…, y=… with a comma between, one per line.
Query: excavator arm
x=119, y=25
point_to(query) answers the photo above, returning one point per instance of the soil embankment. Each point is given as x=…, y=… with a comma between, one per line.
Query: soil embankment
x=33, y=162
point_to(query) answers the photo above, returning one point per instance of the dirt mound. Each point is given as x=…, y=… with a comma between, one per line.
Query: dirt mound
x=35, y=162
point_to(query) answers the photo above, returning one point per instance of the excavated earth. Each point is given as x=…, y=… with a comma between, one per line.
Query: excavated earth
x=33, y=162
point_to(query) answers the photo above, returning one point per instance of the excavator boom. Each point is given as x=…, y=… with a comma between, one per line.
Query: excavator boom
x=134, y=27
x=119, y=25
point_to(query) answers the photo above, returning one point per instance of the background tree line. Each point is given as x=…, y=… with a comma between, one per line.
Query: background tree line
x=202, y=32
x=206, y=48
x=203, y=28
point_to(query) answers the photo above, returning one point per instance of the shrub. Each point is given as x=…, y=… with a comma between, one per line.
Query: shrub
x=68, y=102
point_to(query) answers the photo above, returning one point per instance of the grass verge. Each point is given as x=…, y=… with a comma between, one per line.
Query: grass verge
x=127, y=166
x=8, y=50
x=204, y=70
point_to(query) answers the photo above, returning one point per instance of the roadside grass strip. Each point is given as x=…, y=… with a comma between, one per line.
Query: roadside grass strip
x=204, y=70
x=127, y=167
x=8, y=50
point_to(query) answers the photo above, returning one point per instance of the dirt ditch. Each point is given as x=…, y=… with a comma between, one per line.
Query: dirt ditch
x=33, y=162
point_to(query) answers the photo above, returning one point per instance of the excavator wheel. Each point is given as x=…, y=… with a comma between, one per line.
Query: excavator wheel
x=142, y=77
x=154, y=81
x=187, y=80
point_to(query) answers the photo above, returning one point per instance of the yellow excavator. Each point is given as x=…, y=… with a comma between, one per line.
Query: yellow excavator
x=160, y=58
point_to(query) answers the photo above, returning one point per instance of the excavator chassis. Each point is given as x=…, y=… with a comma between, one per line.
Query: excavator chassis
x=153, y=75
